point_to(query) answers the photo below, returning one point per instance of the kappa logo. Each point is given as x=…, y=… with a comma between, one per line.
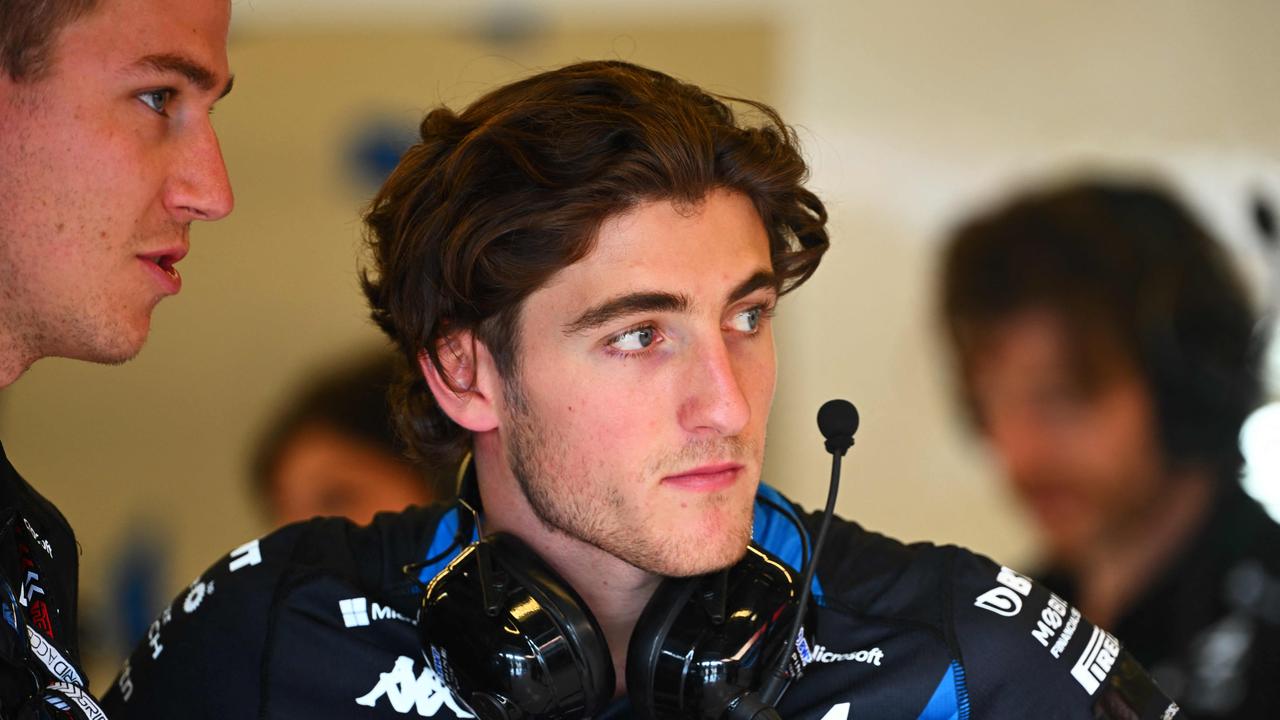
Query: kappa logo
x=1096, y=660
x=1006, y=599
x=407, y=692
x=872, y=656
x=356, y=612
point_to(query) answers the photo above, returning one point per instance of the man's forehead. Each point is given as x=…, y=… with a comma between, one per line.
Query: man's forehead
x=1043, y=342
x=125, y=33
x=662, y=246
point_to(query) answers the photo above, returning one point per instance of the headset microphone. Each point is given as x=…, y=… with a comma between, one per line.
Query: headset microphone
x=837, y=421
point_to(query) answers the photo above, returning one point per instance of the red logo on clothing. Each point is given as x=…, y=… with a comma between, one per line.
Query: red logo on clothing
x=40, y=617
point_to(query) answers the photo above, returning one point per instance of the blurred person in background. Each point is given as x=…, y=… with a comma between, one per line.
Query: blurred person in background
x=1108, y=354
x=333, y=450
x=107, y=155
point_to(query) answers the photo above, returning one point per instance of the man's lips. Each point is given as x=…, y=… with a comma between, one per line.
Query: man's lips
x=706, y=477
x=163, y=262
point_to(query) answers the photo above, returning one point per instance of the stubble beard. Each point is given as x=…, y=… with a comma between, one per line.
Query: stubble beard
x=88, y=316
x=599, y=516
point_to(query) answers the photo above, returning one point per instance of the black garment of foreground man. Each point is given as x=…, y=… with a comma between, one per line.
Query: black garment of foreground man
x=39, y=565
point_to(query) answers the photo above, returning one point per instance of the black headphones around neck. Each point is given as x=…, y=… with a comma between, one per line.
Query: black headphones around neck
x=515, y=641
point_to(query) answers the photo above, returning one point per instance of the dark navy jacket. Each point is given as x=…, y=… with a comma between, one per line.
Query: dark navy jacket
x=40, y=673
x=316, y=621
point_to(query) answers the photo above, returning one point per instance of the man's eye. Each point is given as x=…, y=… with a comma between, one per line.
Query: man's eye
x=157, y=100
x=748, y=321
x=633, y=340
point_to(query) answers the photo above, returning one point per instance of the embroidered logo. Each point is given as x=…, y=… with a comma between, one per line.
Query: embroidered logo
x=406, y=692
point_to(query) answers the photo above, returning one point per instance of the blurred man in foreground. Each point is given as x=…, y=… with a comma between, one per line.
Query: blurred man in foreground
x=1109, y=355
x=106, y=157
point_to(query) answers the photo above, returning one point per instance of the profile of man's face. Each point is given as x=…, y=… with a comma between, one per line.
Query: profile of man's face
x=107, y=158
x=1085, y=461
x=636, y=418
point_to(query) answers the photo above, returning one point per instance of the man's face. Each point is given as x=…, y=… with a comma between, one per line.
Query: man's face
x=104, y=163
x=1086, y=464
x=322, y=471
x=636, y=422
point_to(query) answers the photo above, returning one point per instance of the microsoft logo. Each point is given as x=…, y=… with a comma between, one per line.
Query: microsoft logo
x=355, y=612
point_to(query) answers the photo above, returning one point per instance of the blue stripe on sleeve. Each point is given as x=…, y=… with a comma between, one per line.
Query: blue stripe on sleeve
x=780, y=534
x=950, y=699
x=444, y=538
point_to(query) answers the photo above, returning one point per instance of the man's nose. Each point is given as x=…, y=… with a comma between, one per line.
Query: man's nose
x=198, y=187
x=715, y=401
x=1021, y=447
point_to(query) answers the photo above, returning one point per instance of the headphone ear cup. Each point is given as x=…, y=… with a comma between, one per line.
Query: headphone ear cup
x=649, y=639
x=576, y=632
x=543, y=656
x=683, y=664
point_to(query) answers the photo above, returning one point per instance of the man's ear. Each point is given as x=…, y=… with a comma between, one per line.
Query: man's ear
x=473, y=382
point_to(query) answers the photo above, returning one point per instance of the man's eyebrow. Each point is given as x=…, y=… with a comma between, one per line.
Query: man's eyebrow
x=761, y=279
x=627, y=304
x=639, y=302
x=199, y=75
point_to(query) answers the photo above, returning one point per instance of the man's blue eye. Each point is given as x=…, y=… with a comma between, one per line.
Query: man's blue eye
x=633, y=340
x=156, y=99
x=748, y=320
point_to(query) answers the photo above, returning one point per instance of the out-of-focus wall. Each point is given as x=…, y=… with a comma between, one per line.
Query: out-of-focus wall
x=911, y=113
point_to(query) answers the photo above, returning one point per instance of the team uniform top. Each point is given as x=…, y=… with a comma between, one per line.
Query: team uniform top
x=317, y=620
x=40, y=673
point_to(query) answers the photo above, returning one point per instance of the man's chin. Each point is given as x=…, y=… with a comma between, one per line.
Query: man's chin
x=678, y=561
x=1067, y=547
x=117, y=355
x=119, y=347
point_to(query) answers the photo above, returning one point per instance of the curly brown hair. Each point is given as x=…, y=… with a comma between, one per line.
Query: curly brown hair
x=1128, y=268
x=498, y=198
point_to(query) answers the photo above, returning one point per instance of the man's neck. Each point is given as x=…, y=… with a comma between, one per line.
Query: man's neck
x=614, y=591
x=1121, y=565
